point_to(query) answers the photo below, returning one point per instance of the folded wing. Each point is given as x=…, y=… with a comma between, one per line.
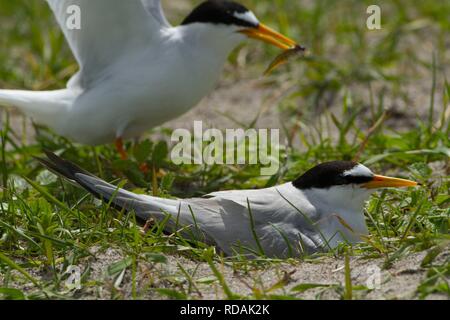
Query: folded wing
x=281, y=219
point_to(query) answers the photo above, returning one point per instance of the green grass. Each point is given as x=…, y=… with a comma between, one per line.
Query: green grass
x=390, y=99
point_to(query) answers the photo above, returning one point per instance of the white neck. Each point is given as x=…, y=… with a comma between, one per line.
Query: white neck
x=341, y=209
x=197, y=54
x=207, y=41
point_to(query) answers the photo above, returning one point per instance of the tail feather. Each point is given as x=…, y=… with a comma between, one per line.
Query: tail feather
x=121, y=199
x=45, y=107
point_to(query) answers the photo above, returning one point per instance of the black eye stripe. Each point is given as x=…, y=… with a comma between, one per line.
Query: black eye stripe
x=358, y=179
x=327, y=175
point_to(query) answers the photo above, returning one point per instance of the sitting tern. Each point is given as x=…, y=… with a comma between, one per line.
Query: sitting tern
x=136, y=70
x=321, y=209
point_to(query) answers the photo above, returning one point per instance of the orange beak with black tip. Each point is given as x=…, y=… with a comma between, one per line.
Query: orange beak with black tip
x=268, y=35
x=379, y=182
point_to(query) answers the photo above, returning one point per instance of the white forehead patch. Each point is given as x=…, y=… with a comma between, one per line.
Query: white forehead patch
x=247, y=16
x=359, y=171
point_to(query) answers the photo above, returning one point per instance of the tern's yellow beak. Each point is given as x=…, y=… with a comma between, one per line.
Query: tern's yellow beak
x=268, y=35
x=387, y=182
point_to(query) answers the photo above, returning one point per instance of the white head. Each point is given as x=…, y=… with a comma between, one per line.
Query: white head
x=223, y=24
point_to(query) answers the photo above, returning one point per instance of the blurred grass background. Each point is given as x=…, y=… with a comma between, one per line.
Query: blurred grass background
x=379, y=96
x=34, y=53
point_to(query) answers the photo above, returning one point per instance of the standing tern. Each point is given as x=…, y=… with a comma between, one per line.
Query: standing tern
x=136, y=70
x=316, y=212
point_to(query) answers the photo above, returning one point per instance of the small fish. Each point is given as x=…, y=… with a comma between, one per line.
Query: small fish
x=285, y=57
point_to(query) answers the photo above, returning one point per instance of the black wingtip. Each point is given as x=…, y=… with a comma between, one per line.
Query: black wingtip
x=62, y=166
x=72, y=172
x=54, y=168
x=67, y=170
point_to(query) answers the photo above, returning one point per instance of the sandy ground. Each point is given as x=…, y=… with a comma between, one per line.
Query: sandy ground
x=400, y=281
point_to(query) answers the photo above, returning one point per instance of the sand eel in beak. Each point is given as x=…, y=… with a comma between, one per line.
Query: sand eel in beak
x=136, y=70
x=316, y=212
x=284, y=58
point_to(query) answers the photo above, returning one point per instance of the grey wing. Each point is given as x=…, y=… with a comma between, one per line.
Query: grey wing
x=99, y=32
x=227, y=224
x=271, y=225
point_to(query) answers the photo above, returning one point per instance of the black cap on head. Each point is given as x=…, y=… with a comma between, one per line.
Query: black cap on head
x=336, y=173
x=220, y=12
